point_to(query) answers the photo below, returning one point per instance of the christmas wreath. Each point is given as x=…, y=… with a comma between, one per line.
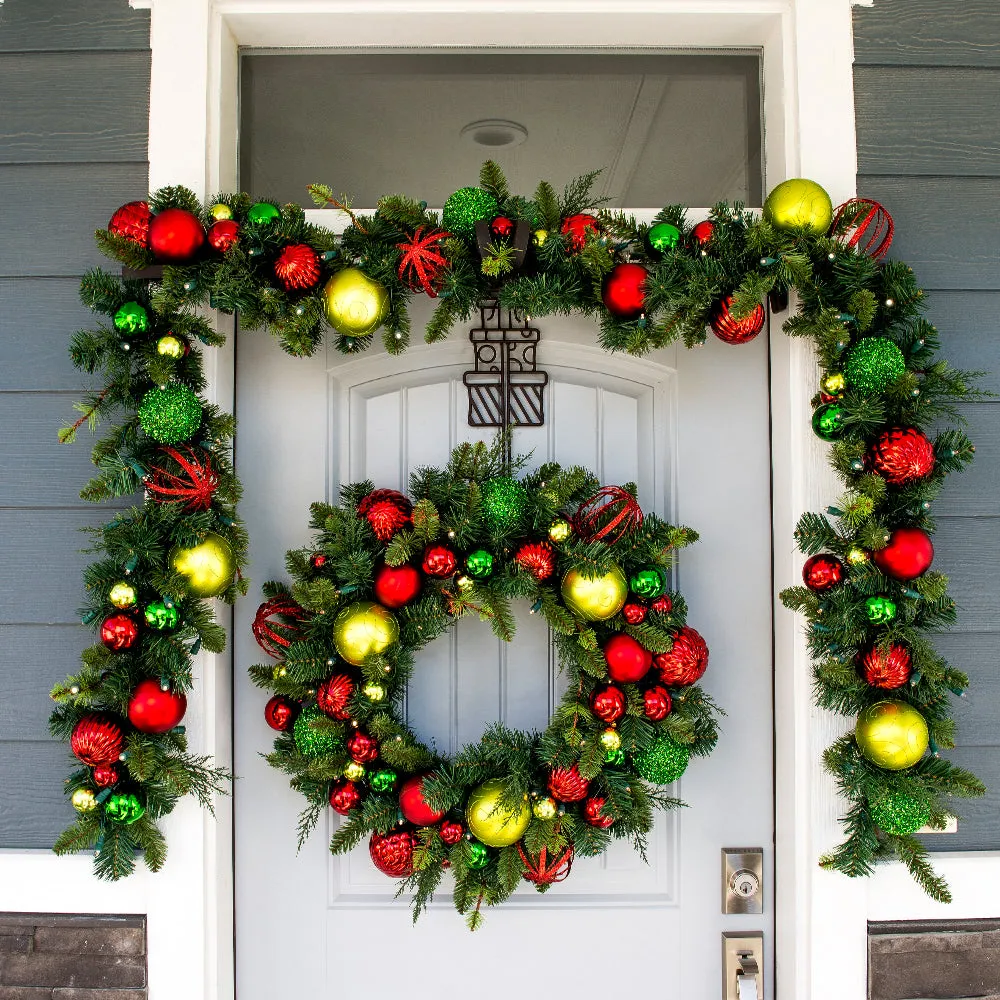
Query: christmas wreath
x=869, y=594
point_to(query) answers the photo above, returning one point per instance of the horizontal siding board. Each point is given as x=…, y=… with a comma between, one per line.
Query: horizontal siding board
x=969, y=326
x=978, y=654
x=62, y=107
x=976, y=491
x=977, y=823
x=967, y=549
x=33, y=808
x=956, y=133
x=67, y=25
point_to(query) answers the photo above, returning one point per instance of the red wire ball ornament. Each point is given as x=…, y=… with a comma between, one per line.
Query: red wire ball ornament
x=567, y=784
x=273, y=635
x=628, y=661
x=422, y=262
x=608, y=516
x=96, y=740
x=736, y=331
x=386, y=511
x=887, y=668
x=185, y=476
x=175, y=235
x=392, y=853
x=153, y=710
x=624, y=291
x=902, y=455
x=223, y=235
x=908, y=555
x=863, y=225
x=439, y=560
x=131, y=221
x=686, y=661
x=575, y=228
x=542, y=870
x=594, y=814
x=656, y=703
x=297, y=267
x=395, y=586
x=344, y=796
x=608, y=703
x=333, y=695
x=701, y=234
x=822, y=572
x=413, y=805
x=280, y=712
x=119, y=632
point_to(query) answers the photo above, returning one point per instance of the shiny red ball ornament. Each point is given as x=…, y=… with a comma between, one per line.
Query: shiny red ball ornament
x=608, y=703
x=185, y=476
x=386, y=511
x=439, y=560
x=317, y=560
x=702, y=232
x=537, y=558
x=908, y=555
x=624, y=291
x=96, y=740
x=395, y=586
x=593, y=813
x=362, y=748
x=413, y=805
x=333, y=695
x=608, y=516
x=686, y=661
x=575, y=228
x=656, y=703
x=634, y=612
x=502, y=228
x=297, y=267
x=119, y=632
x=344, y=796
x=277, y=625
x=392, y=853
x=628, y=661
x=887, y=668
x=175, y=235
x=280, y=713
x=105, y=775
x=663, y=605
x=567, y=784
x=736, y=331
x=132, y=222
x=223, y=234
x=452, y=832
x=822, y=572
x=153, y=710
x=902, y=455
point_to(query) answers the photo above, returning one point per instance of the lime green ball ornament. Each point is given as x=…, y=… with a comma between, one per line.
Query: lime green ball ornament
x=313, y=742
x=648, y=584
x=799, y=204
x=492, y=822
x=354, y=771
x=892, y=734
x=545, y=808
x=504, y=502
x=872, y=365
x=170, y=413
x=479, y=564
x=161, y=616
x=123, y=808
x=880, y=610
x=663, y=762
x=384, y=780
x=131, y=320
x=465, y=208
x=663, y=236
x=828, y=421
x=899, y=814
x=263, y=213
x=477, y=855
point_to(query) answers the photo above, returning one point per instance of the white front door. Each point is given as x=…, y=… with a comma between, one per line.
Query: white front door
x=691, y=429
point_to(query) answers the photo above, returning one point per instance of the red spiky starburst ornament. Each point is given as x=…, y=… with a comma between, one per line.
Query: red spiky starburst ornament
x=386, y=511
x=543, y=870
x=422, y=262
x=193, y=485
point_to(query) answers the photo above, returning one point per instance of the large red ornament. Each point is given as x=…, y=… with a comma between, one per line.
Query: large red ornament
x=333, y=695
x=386, y=511
x=567, y=784
x=543, y=870
x=105, y=775
x=396, y=585
x=663, y=605
x=452, y=832
x=188, y=478
x=702, y=232
x=175, y=235
x=421, y=262
x=736, y=331
x=280, y=712
x=223, y=234
x=887, y=668
x=624, y=291
x=119, y=632
x=608, y=703
x=537, y=558
x=686, y=661
x=362, y=748
x=392, y=853
x=902, y=455
x=153, y=710
x=275, y=636
x=634, y=612
x=863, y=225
x=608, y=516
x=297, y=267
x=132, y=222
x=908, y=555
x=822, y=572
x=628, y=661
x=344, y=796
x=96, y=740
x=656, y=703
x=413, y=805
x=575, y=228
x=439, y=560
x=593, y=813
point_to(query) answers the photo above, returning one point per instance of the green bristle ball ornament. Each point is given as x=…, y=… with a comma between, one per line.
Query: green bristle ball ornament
x=465, y=208
x=872, y=365
x=170, y=413
x=479, y=564
x=131, y=320
x=161, y=616
x=263, y=212
x=828, y=421
x=663, y=762
x=900, y=814
x=310, y=741
x=504, y=501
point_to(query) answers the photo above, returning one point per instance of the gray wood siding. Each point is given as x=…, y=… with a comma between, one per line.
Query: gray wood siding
x=927, y=89
x=74, y=80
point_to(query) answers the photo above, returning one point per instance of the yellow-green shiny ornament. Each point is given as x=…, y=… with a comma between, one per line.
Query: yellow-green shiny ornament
x=559, y=531
x=84, y=800
x=464, y=583
x=263, y=212
x=354, y=771
x=799, y=204
x=493, y=824
x=374, y=692
x=595, y=600
x=208, y=567
x=539, y=236
x=383, y=780
x=892, y=734
x=355, y=304
x=545, y=808
x=479, y=564
x=834, y=384
x=170, y=346
x=610, y=740
x=364, y=629
x=477, y=855
x=220, y=211
x=857, y=556
x=122, y=595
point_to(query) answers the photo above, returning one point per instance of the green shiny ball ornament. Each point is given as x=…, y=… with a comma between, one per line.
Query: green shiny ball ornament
x=477, y=855
x=880, y=610
x=123, y=595
x=374, y=692
x=559, y=531
x=663, y=236
x=872, y=365
x=799, y=204
x=84, y=800
x=663, y=762
x=610, y=740
x=384, y=780
x=364, y=629
x=161, y=616
x=169, y=346
x=263, y=213
x=355, y=304
x=504, y=503
x=479, y=564
x=595, y=600
x=465, y=208
x=899, y=814
x=648, y=584
x=311, y=741
x=892, y=734
x=131, y=320
x=828, y=421
x=220, y=211
x=123, y=808
x=170, y=414
x=615, y=757
x=354, y=771
x=494, y=824
x=545, y=808
x=208, y=567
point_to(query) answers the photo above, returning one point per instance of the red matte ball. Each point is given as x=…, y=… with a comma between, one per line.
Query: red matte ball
x=608, y=703
x=280, y=713
x=392, y=853
x=412, y=804
x=362, y=748
x=686, y=661
x=175, y=236
x=153, y=710
x=223, y=234
x=822, y=572
x=624, y=291
x=628, y=661
x=344, y=796
x=656, y=703
x=396, y=585
x=908, y=555
x=452, y=832
x=119, y=632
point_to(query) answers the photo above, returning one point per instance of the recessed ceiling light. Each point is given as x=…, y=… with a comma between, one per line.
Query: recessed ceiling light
x=495, y=132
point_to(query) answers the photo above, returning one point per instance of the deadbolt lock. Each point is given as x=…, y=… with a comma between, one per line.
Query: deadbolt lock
x=742, y=880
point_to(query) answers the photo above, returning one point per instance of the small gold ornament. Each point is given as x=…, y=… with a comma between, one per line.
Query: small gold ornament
x=834, y=384
x=539, y=236
x=490, y=822
x=464, y=582
x=122, y=595
x=892, y=735
x=356, y=305
x=799, y=204
x=207, y=567
x=598, y=599
x=363, y=629
x=559, y=530
x=545, y=808
x=610, y=740
x=220, y=211
x=84, y=800
x=354, y=771
x=857, y=556
x=374, y=692
x=170, y=346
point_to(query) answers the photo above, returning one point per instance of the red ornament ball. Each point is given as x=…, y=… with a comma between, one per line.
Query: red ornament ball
x=908, y=555
x=333, y=695
x=887, y=668
x=362, y=748
x=96, y=740
x=386, y=511
x=567, y=784
x=663, y=605
x=593, y=813
x=736, y=331
x=575, y=228
x=537, y=558
x=396, y=585
x=634, y=612
x=902, y=455
x=297, y=267
x=317, y=560
x=175, y=235
x=280, y=712
x=413, y=805
x=105, y=775
x=439, y=560
x=822, y=572
x=656, y=703
x=392, y=853
x=119, y=632
x=702, y=232
x=153, y=710
x=223, y=234
x=608, y=703
x=132, y=222
x=452, y=832
x=502, y=228
x=624, y=291
x=344, y=796
x=686, y=661
x=627, y=660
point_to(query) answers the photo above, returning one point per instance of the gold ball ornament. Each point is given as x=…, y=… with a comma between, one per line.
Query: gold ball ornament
x=363, y=629
x=490, y=822
x=208, y=567
x=597, y=599
x=834, y=384
x=857, y=556
x=892, y=734
x=170, y=346
x=354, y=771
x=221, y=211
x=610, y=739
x=559, y=531
x=545, y=808
x=84, y=800
x=355, y=304
x=374, y=692
x=799, y=204
x=123, y=595
x=539, y=236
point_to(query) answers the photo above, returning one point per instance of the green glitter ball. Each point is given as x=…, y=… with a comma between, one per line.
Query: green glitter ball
x=479, y=564
x=615, y=757
x=648, y=583
x=900, y=814
x=311, y=742
x=383, y=780
x=663, y=236
x=665, y=761
x=504, y=503
x=465, y=208
x=880, y=610
x=828, y=421
x=161, y=616
x=872, y=365
x=263, y=213
x=477, y=855
x=123, y=808
x=170, y=414
x=131, y=319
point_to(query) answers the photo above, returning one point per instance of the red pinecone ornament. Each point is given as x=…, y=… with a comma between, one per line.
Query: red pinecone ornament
x=593, y=813
x=686, y=661
x=184, y=476
x=902, y=455
x=392, y=853
x=132, y=222
x=422, y=264
x=105, y=775
x=608, y=516
x=297, y=267
x=542, y=870
x=280, y=712
x=863, y=225
x=362, y=748
x=608, y=703
x=96, y=740
x=386, y=511
x=887, y=668
x=344, y=796
x=537, y=558
x=275, y=636
x=334, y=694
x=736, y=331
x=567, y=784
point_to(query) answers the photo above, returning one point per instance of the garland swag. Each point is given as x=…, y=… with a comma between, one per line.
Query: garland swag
x=869, y=596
